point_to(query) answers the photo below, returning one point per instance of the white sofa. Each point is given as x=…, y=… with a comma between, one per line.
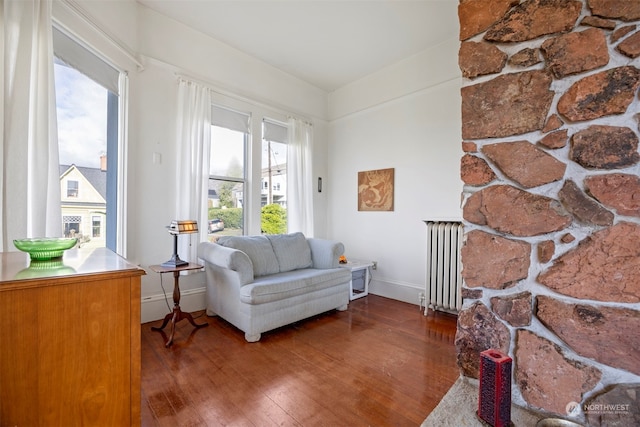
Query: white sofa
x=259, y=283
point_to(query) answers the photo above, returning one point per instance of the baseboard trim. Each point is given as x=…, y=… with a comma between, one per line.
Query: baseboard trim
x=155, y=307
x=406, y=292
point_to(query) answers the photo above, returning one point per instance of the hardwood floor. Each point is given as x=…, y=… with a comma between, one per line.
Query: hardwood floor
x=380, y=363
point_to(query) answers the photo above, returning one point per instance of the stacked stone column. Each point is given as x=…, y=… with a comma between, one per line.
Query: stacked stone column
x=551, y=203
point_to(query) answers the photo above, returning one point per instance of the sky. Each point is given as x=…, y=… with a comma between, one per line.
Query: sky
x=82, y=112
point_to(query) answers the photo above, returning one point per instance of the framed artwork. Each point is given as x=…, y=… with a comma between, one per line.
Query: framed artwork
x=375, y=190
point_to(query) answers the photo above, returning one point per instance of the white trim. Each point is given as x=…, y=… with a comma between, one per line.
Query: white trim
x=217, y=88
x=203, y=81
x=406, y=292
x=123, y=166
x=392, y=101
x=154, y=307
x=72, y=6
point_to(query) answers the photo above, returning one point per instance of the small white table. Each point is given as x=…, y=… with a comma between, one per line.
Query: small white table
x=360, y=277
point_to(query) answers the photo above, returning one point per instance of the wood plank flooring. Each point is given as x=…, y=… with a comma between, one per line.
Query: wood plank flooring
x=380, y=363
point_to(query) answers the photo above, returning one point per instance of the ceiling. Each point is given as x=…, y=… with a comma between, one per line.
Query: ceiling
x=326, y=43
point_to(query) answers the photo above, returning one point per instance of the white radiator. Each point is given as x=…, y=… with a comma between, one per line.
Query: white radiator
x=444, y=279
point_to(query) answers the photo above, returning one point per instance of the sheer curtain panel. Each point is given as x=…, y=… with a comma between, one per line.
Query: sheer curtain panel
x=30, y=200
x=192, y=154
x=299, y=177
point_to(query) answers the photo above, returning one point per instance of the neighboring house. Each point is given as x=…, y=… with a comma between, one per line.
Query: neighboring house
x=83, y=200
x=278, y=193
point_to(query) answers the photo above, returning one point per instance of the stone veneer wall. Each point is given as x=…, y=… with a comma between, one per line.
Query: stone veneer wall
x=551, y=203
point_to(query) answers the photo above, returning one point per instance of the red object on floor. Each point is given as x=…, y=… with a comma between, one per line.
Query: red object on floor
x=494, y=405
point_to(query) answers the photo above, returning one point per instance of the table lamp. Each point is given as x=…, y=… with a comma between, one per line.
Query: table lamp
x=179, y=227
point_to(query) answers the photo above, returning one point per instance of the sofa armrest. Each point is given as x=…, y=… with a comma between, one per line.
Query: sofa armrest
x=227, y=258
x=325, y=253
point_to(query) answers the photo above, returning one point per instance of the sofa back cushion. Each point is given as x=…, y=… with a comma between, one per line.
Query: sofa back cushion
x=292, y=251
x=258, y=249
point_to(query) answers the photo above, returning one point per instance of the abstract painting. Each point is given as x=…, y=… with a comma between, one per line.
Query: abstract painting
x=375, y=190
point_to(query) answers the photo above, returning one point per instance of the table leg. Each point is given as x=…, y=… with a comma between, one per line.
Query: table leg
x=177, y=314
x=174, y=320
x=166, y=320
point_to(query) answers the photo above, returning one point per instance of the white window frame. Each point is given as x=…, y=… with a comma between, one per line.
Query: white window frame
x=117, y=219
x=240, y=121
x=253, y=166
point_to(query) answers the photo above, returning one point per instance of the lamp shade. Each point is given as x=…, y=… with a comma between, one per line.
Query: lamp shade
x=183, y=226
x=179, y=227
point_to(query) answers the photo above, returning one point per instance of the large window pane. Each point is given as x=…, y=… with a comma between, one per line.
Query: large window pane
x=89, y=103
x=274, y=173
x=227, y=153
x=226, y=182
x=82, y=115
x=273, y=197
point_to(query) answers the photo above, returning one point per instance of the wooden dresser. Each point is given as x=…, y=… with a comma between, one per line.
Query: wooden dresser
x=69, y=340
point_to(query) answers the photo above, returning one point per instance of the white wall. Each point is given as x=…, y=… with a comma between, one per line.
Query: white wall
x=203, y=57
x=405, y=117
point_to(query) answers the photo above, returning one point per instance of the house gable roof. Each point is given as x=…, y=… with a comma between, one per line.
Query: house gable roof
x=96, y=177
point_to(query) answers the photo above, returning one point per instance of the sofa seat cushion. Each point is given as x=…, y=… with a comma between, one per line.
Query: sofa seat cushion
x=291, y=283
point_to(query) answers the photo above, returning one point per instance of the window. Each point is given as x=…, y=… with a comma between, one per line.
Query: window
x=227, y=171
x=247, y=186
x=274, y=176
x=88, y=106
x=96, y=226
x=71, y=225
x=72, y=188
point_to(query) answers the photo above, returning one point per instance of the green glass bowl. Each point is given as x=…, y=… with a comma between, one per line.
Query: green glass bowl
x=45, y=248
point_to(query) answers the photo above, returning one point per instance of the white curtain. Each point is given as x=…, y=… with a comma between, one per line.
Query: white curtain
x=30, y=198
x=192, y=155
x=299, y=177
